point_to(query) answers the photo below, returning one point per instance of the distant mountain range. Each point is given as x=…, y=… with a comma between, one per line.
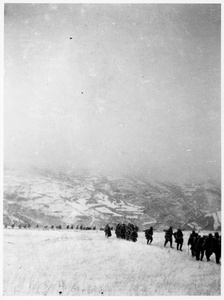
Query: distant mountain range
x=45, y=197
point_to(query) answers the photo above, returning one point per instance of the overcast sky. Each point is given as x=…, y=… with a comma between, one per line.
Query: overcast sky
x=118, y=88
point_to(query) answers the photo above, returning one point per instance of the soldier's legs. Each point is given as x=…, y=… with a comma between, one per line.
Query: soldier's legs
x=217, y=257
x=202, y=254
x=166, y=241
x=177, y=246
x=181, y=245
x=171, y=242
x=208, y=254
x=197, y=253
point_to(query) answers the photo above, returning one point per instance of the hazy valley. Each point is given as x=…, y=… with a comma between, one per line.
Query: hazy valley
x=45, y=197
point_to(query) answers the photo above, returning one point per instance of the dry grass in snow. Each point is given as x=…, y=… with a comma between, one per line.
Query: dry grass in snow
x=86, y=263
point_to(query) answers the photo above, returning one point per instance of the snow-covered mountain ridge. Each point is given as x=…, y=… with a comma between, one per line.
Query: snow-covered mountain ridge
x=52, y=198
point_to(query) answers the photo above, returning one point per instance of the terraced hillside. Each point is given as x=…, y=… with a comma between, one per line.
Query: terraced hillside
x=50, y=198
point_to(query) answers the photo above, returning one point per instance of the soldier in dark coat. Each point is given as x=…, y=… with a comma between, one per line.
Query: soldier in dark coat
x=191, y=242
x=216, y=247
x=128, y=231
x=148, y=235
x=123, y=231
x=208, y=246
x=179, y=239
x=199, y=249
x=169, y=236
x=107, y=231
x=134, y=236
x=117, y=230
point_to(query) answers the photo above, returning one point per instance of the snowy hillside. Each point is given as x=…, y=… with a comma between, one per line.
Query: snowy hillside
x=52, y=198
x=85, y=263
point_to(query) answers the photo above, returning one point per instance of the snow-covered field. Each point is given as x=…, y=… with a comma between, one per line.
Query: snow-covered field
x=86, y=263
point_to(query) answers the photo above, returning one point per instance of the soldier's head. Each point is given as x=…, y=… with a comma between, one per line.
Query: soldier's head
x=216, y=234
x=210, y=235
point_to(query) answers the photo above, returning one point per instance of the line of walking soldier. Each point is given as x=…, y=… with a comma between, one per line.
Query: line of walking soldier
x=206, y=244
x=178, y=235
x=128, y=232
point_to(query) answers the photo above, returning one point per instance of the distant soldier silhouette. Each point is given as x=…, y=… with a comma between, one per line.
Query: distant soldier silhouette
x=107, y=231
x=134, y=233
x=118, y=230
x=148, y=235
x=179, y=239
x=208, y=246
x=128, y=231
x=216, y=247
x=191, y=242
x=123, y=231
x=169, y=236
x=199, y=249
